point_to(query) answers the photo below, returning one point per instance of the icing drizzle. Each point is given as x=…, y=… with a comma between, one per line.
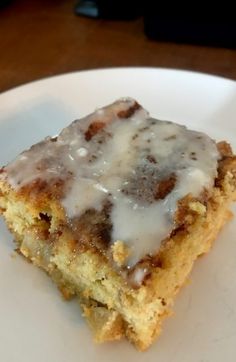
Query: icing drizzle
x=143, y=166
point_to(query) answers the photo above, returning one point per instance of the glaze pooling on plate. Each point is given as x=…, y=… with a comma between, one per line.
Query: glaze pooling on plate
x=143, y=166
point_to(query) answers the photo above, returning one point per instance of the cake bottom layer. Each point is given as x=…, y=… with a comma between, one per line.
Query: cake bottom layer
x=112, y=307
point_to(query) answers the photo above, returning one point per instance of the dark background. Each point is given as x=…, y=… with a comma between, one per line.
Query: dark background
x=44, y=38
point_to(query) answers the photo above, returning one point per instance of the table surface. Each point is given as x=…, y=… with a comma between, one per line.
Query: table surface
x=43, y=38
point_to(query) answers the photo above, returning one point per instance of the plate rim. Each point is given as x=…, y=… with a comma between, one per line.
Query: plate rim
x=193, y=73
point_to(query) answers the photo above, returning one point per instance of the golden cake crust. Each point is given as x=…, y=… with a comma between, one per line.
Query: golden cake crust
x=76, y=253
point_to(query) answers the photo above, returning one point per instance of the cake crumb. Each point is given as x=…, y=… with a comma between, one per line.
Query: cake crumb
x=198, y=207
x=120, y=252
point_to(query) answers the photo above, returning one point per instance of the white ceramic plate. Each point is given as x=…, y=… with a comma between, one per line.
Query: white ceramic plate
x=35, y=323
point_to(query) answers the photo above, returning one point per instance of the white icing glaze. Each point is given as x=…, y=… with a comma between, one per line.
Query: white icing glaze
x=137, y=276
x=123, y=162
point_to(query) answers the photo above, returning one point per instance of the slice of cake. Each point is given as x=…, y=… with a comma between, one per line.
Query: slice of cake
x=116, y=209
